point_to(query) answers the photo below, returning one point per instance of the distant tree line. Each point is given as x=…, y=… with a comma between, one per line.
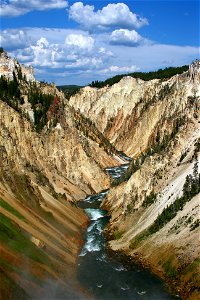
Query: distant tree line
x=69, y=90
x=160, y=74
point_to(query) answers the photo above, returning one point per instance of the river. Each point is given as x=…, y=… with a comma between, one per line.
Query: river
x=103, y=275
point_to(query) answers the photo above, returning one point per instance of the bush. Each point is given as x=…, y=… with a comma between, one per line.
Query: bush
x=118, y=235
x=169, y=269
x=195, y=225
x=150, y=199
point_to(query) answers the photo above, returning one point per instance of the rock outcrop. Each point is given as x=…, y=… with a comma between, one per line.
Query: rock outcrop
x=10, y=66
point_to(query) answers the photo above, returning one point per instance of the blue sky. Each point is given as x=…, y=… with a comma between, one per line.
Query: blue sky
x=75, y=42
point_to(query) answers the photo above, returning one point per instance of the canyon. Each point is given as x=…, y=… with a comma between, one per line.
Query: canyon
x=45, y=172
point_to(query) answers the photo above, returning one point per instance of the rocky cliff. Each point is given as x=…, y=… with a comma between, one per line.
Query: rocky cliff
x=154, y=217
x=132, y=112
x=42, y=174
x=10, y=66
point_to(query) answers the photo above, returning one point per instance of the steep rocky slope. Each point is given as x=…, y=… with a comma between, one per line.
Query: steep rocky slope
x=42, y=175
x=132, y=112
x=172, y=248
x=157, y=123
x=40, y=228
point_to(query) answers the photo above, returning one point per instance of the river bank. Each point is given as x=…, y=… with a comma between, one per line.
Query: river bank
x=104, y=274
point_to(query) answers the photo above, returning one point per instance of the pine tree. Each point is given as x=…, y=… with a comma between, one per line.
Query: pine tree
x=187, y=186
x=195, y=171
x=195, y=179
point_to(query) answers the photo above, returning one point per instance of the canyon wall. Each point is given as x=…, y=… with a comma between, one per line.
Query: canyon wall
x=157, y=123
x=132, y=112
x=42, y=175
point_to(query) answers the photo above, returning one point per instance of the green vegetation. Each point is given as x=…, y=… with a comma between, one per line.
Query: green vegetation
x=44, y=105
x=183, y=155
x=190, y=189
x=41, y=104
x=165, y=92
x=10, y=92
x=69, y=90
x=150, y=199
x=129, y=208
x=118, y=235
x=12, y=210
x=48, y=216
x=193, y=266
x=138, y=239
x=160, y=74
x=8, y=288
x=194, y=225
x=24, y=191
x=197, y=146
x=12, y=236
x=169, y=269
x=23, y=272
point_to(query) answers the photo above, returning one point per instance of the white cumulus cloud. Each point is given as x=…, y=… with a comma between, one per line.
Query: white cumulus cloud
x=73, y=52
x=14, y=8
x=118, y=70
x=13, y=38
x=68, y=56
x=80, y=41
x=112, y=15
x=125, y=37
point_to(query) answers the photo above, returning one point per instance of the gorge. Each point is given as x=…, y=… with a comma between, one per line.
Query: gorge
x=138, y=142
x=104, y=274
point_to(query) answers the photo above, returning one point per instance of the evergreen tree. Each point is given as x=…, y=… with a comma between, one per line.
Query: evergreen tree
x=186, y=187
x=195, y=171
x=195, y=186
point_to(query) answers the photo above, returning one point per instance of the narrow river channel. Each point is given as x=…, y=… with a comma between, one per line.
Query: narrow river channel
x=105, y=277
